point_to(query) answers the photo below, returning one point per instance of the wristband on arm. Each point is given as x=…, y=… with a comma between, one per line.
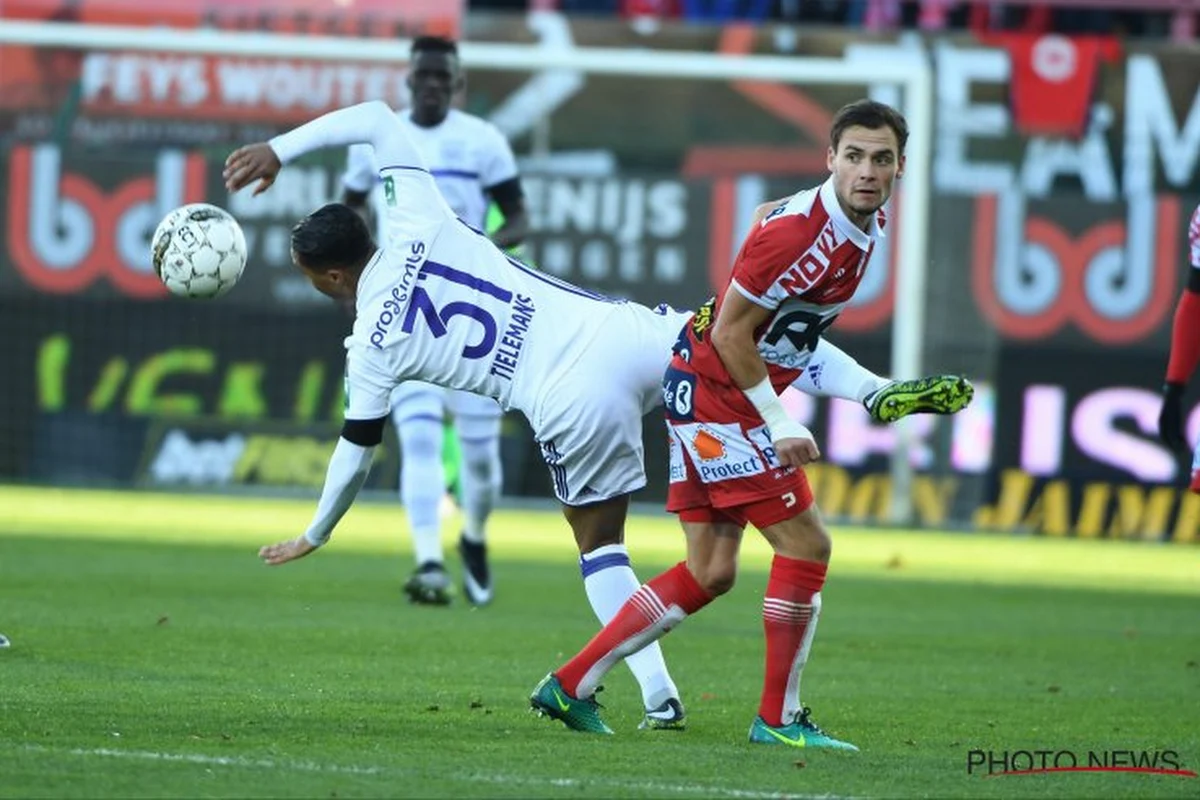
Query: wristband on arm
x=767, y=403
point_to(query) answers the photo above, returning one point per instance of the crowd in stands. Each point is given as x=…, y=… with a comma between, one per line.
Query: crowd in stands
x=1152, y=18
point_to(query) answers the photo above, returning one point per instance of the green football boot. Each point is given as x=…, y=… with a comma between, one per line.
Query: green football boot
x=550, y=699
x=801, y=732
x=938, y=394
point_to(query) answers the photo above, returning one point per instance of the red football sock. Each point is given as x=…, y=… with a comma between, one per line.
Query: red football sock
x=655, y=608
x=790, y=610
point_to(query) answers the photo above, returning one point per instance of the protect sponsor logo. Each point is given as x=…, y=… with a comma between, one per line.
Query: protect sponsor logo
x=708, y=447
x=720, y=452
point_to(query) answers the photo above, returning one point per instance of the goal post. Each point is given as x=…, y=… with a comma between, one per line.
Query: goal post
x=912, y=75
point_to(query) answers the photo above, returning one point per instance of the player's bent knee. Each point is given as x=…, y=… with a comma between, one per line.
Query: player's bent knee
x=598, y=524
x=803, y=536
x=717, y=579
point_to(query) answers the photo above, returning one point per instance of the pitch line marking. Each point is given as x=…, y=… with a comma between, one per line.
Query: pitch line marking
x=312, y=766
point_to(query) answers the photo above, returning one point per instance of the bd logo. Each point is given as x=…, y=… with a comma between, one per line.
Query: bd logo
x=1114, y=280
x=65, y=232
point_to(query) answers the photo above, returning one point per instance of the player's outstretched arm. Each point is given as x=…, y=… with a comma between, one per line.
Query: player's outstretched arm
x=372, y=123
x=348, y=469
x=733, y=339
x=358, y=179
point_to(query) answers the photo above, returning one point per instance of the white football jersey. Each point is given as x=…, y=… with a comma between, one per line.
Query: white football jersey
x=465, y=155
x=444, y=305
x=439, y=302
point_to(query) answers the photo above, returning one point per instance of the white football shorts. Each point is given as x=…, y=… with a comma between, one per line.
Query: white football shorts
x=588, y=420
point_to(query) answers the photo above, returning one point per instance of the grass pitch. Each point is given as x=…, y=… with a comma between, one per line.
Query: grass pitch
x=153, y=656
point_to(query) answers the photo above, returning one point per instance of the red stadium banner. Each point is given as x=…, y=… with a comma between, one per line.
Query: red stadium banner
x=173, y=86
x=343, y=17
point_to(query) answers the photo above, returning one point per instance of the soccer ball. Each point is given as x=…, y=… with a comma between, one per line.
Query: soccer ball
x=199, y=251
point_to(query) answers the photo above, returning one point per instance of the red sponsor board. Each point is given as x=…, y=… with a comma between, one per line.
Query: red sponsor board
x=209, y=87
x=346, y=17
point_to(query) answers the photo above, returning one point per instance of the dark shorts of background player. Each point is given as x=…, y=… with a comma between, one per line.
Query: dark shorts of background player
x=763, y=499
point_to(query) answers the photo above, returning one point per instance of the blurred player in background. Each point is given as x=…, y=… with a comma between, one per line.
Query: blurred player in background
x=736, y=456
x=472, y=164
x=1184, y=356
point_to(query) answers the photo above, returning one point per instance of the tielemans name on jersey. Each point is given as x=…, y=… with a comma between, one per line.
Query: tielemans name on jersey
x=513, y=339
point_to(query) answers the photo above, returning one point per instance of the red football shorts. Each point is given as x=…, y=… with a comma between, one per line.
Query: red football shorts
x=723, y=467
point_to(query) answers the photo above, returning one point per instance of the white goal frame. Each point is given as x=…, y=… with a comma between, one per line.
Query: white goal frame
x=913, y=75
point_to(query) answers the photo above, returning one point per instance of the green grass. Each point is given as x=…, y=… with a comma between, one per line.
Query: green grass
x=153, y=656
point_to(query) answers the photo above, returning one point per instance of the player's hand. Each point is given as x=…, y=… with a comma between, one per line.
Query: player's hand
x=283, y=552
x=1170, y=418
x=254, y=162
x=796, y=451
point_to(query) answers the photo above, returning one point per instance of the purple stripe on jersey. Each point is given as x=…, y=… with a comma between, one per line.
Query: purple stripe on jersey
x=557, y=283
x=590, y=566
x=415, y=417
x=417, y=169
x=476, y=439
x=454, y=173
x=466, y=279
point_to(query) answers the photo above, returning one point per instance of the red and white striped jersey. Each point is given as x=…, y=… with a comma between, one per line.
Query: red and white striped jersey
x=804, y=263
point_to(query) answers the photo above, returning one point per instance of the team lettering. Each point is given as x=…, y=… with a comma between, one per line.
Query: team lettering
x=393, y=305
x=505, y=362
x=802, y=275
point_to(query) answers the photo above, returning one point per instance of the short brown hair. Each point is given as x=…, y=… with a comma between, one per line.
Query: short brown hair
x=868, y=114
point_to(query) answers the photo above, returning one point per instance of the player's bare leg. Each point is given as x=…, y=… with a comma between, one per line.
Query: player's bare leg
x=791, y=607
x=609, y=581
x=712, y=554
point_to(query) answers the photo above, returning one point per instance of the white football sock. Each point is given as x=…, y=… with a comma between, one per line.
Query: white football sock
x=609, y=581
x=480, y=472
x=422, y=484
